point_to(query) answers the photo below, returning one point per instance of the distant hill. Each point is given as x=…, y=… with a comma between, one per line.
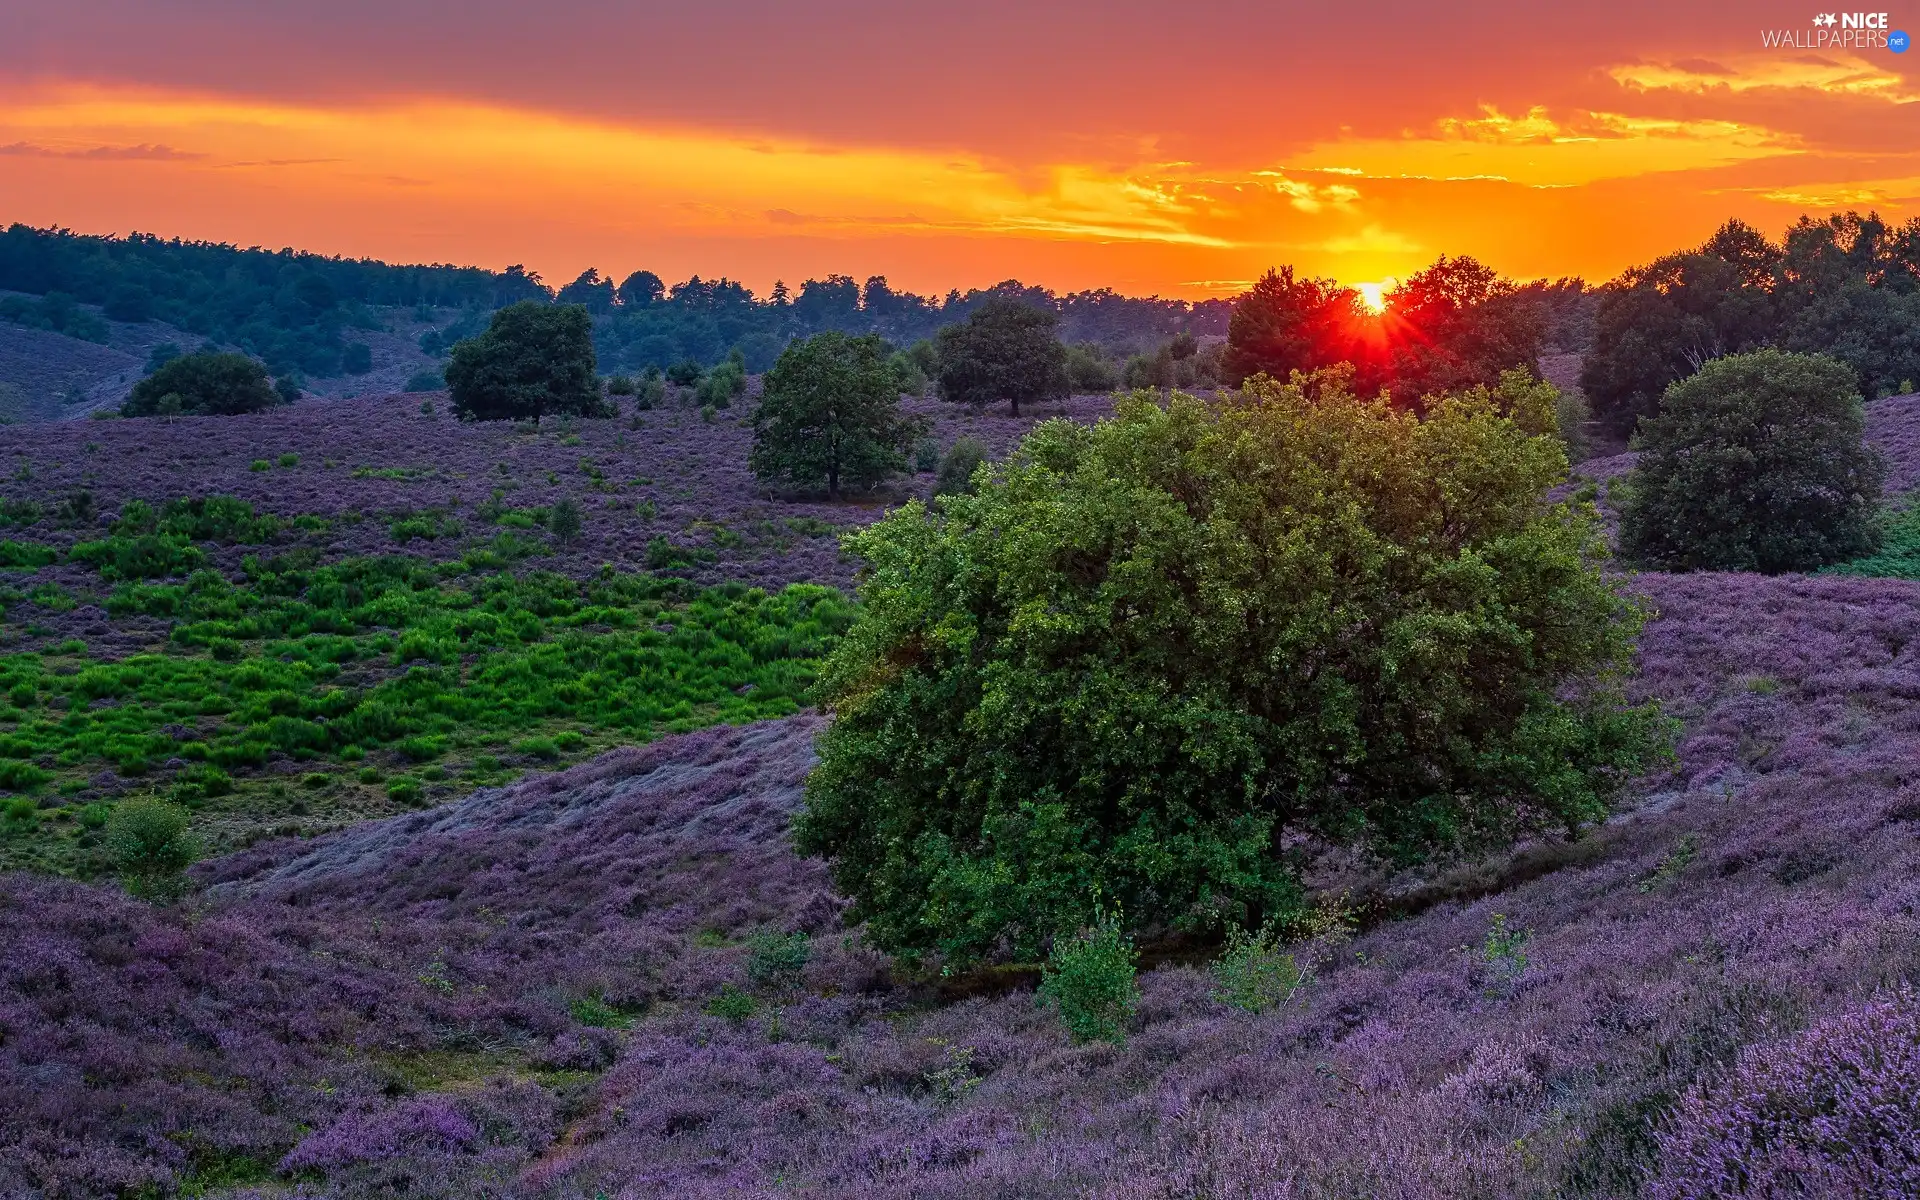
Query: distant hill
x=355, y=326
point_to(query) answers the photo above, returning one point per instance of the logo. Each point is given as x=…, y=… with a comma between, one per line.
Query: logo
x=1839, y=31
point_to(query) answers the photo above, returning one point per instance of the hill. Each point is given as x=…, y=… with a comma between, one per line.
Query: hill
x=584, y=981
x=515, y=995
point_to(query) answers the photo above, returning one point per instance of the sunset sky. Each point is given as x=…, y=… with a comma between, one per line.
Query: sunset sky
x=1149, y=147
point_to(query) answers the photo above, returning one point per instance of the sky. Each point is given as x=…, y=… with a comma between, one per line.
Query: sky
x=1176, y=149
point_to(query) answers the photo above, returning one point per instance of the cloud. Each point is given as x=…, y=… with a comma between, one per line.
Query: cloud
x=145, y=152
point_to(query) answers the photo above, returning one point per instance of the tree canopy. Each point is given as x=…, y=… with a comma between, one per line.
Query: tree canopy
x=207, y=383
x=829, y=417
x=1847, y=286
x=1150, y=658
x=1754, y=463
x=534, y=360
x=1007, y=351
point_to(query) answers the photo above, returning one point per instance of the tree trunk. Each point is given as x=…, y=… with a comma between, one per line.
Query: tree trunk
x=1016, y=405
x=833, y=483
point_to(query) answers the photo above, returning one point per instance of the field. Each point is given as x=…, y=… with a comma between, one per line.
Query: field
x=502, y=980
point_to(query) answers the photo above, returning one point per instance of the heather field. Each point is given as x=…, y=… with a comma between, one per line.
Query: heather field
x=567, y=988
x=425, y=963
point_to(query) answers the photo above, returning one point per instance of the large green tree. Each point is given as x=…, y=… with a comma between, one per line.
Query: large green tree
x=208, y=383
x=1286, y=324
x=829, y=417
x=1754, y=463
x=1004, y=350
x=1154, y=659
x=534, y=360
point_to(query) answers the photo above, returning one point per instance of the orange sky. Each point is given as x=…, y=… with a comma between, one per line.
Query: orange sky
x=1150, y=147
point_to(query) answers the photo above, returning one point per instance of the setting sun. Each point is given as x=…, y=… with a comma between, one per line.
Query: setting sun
x=1374, y=295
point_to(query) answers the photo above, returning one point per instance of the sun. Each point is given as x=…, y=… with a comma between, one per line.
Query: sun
x=1374, y=295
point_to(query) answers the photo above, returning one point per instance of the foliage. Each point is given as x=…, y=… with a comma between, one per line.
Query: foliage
x=534, y=360
x=776, y=959
x=286, y=307
x=207, y=383
x=1088, y=369
x=1005, y=350
x=731, y=1004
x=1285, y=324
x=564, y=522
x=963, y=458
x=829, y=416
x=432, y=659
x=1847, y=286
x=425, y=381
x=1060, y=683
x=1898, y=555
x=1090, y=980
x=1755, y=463
x=151, y=844
x=1253, y=973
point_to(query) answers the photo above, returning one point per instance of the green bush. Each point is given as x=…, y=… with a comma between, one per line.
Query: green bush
x=31, y=555
x=1253, y=972
x=564, y=521
x=207, y=383
x=1090, y=981
x=1754, y=463
x=956, y=470
x=151, y=844
x=777, y=959
x=732, y=1004
x=1150, y=654
x=1898, y=556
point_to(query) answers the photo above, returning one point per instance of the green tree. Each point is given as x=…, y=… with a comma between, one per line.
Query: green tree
x=564, y=522
x=208, y=383
x=1151, y=655
x=1755, y=463
x=829, y=417
x=1005, y=350
x=1284, y=324
x=534, y=360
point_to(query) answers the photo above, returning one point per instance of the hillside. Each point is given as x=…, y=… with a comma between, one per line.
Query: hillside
x=562, y=983
x=506, y=996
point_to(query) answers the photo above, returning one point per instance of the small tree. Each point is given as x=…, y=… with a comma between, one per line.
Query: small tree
x=1154, y=656
x=1754, y=463
x=151, y=845
x=208, y=383
x=956, y=470
x=533, y=360
x=1090, y=980
x=1005, y=351
x=565, y=520
x=829, y=417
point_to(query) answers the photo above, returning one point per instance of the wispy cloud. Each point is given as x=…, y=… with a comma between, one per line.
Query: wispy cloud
x=145, y=152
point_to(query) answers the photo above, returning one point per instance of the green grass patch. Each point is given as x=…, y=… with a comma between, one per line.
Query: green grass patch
x=1899, y=554
x=381, y=667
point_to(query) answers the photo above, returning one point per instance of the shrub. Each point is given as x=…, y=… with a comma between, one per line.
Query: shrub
x=425, y=381
x=829, y=416
x=685, y=373
x=956, y=470
x=1089, y=371
x=1253, y=973
x=926, y=455
x=208, y=383
x=777, y=959
x=31, y=555
x=1834, y=1111
x=1004, y=350
x=1090, y=980
x=564, y=521
x=731, y=1004
x=534, y=360
x=1059, y=683
x=1754, y=463
x=151, y=845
